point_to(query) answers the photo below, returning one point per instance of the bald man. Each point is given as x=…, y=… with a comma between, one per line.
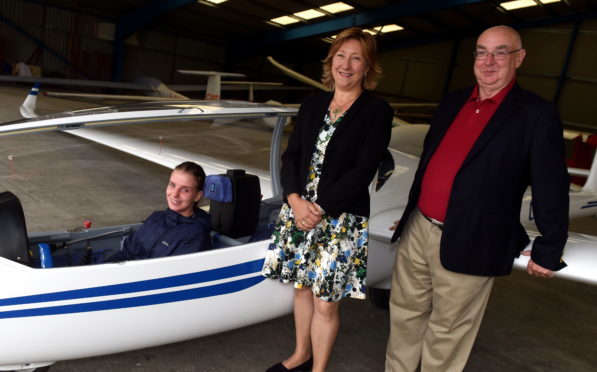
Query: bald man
x=461, y=227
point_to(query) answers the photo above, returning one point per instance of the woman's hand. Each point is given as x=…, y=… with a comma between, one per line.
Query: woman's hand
x=306, y=214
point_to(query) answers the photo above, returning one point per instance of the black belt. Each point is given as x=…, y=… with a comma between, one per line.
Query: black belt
x=434, y=222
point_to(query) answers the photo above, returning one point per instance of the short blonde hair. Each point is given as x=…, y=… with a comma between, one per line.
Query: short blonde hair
x=369, y=46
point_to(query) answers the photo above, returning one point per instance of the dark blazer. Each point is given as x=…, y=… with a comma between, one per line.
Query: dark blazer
x=521, y=145
x=352, y=155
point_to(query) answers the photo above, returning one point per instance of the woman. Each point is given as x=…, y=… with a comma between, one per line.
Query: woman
x=320, y=239
x=182, y=228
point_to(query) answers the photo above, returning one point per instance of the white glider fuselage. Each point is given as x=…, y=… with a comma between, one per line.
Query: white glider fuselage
x=76, y=312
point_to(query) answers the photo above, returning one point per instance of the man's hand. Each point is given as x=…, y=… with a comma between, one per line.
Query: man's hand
x=394, y=226
x=536, y=270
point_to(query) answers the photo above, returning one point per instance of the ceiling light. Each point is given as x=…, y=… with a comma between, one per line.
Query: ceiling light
x=510, y=5
x=388, y=28
x=370, y=31
x=336, y=7
x=309, y=14
x=216, y=1
x=284, y=20
x=549, y=1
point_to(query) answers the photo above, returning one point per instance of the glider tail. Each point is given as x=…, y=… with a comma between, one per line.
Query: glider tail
x=28, y=107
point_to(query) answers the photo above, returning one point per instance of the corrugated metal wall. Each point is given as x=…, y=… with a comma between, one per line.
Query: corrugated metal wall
x=83, y=48
x=578, y=103
x=420, y=73
x=416, y=74
x=56, y=36
x=82, y=45
x=15, y=46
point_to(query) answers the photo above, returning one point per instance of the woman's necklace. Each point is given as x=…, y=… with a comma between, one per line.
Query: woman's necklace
x=336, y=112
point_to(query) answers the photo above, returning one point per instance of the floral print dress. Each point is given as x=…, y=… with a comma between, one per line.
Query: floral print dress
x=332, y=257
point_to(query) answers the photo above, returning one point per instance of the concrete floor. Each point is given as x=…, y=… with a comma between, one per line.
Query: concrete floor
x=530, y=324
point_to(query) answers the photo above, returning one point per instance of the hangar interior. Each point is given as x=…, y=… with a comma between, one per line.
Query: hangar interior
x=530, y=325
x=425, y=46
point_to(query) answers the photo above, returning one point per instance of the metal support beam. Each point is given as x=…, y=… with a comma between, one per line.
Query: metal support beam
x=564, y=72
x=132, y=21
x=388, y=13
x=519, y=26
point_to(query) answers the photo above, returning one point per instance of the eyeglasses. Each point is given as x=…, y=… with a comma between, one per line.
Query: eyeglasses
x=498, y=55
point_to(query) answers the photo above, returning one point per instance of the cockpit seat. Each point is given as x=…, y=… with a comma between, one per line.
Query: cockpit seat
x=13, y=231
x=234, y=212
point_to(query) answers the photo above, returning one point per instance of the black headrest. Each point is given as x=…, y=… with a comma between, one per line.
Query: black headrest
x=239, y=216
x=14, y=244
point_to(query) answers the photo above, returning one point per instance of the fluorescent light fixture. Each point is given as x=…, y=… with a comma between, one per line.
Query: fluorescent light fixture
x=284, y=20
x=309, y=14
x=336, y=7
x=216, y=1
x=510, y=5
x=372, y=32
x=549, y=1
x=388, y=28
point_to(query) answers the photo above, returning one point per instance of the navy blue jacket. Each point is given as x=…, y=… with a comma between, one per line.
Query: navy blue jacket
x=167, y=233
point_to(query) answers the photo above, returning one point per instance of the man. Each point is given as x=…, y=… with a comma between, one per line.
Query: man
x=461, y=226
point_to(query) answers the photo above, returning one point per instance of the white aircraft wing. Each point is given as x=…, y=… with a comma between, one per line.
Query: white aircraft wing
x=76, y=82
x=91, y=310
x=171, y=156
x=396, y=189
x=97, y=96
x=580, y=255
x=293, y=74
x=316, y=84
x=144, y=113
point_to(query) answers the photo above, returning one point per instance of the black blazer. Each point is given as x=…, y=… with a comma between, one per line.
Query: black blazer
x=352, y=155
x=521, y=145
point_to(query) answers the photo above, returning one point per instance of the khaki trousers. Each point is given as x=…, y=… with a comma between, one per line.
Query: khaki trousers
x=435, y=314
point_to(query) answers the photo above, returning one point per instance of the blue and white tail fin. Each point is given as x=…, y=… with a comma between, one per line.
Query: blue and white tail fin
x=28, y=107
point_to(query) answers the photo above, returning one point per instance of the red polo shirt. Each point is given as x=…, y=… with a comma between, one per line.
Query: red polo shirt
x=453, y=149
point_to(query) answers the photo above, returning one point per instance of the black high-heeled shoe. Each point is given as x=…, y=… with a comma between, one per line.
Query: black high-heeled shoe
x=305, y=367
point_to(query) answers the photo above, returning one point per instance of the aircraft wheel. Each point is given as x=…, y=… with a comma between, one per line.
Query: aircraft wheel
x=380, y=297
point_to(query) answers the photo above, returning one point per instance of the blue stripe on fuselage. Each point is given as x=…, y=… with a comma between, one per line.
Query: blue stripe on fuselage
x=154, y=299
x=144, y=285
